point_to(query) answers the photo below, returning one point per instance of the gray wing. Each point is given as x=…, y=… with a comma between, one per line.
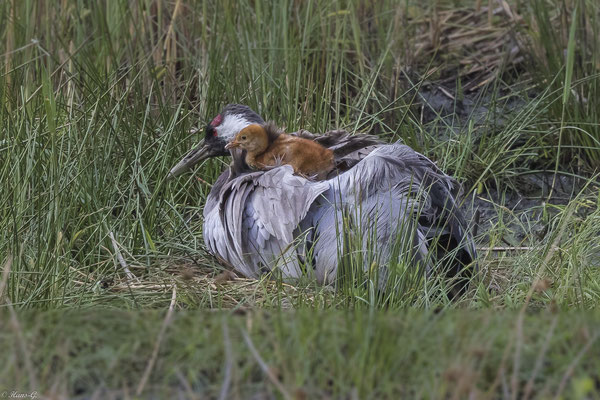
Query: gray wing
x=369, y=210
x=396, y=200
x=259, y=214
x=342, y=142
x=212, y=228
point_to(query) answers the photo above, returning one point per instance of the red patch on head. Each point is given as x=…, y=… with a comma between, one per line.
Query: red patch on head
x=217, y=120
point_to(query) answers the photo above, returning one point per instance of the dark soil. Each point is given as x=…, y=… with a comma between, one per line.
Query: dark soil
x=521, y=205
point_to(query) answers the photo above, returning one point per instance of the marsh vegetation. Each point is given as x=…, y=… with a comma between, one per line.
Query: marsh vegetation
x=97, y=101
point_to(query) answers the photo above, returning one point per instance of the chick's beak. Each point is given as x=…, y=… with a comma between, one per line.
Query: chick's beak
x=200, y=153
x=232, y=145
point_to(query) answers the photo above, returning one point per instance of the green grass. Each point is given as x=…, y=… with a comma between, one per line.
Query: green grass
x=96, y=109
x=568, y=45
x=96, y=102
x=392, y=355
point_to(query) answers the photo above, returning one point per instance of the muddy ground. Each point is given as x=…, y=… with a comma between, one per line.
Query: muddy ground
x=521, y=204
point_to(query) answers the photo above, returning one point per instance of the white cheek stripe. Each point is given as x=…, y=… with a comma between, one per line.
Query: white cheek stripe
x=230, y=127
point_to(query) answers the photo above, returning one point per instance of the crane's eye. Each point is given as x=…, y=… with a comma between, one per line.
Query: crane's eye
x=243, y=137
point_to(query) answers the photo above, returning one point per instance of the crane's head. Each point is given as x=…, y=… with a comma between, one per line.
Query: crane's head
x=218, y=133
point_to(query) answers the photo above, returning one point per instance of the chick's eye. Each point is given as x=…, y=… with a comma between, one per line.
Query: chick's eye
x=243, y=137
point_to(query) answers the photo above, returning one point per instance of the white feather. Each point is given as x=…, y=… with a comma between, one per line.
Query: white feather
x=230, y=126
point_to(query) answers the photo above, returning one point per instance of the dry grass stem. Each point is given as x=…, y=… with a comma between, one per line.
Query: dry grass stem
x=159, y=339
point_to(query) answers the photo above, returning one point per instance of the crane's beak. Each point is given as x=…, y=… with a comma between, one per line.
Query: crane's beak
x=200, y=153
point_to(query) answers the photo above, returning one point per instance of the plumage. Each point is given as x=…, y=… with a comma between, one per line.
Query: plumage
x=381, y=198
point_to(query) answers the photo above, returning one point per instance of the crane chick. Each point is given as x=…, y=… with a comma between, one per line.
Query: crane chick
x=266, y=146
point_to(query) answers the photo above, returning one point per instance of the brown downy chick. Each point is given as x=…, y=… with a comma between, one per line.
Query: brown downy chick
x=267, y=147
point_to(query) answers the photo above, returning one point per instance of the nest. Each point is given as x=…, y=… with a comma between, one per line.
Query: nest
x=224, y=290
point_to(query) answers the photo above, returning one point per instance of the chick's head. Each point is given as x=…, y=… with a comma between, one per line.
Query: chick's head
x=253, y=138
